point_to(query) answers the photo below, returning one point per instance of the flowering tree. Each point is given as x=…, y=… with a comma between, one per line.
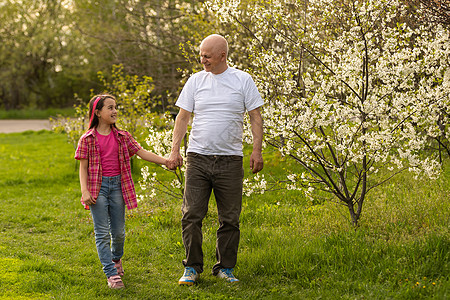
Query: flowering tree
x=438, y=10
x=159, y=141
x=351, y=88
x=134, y=99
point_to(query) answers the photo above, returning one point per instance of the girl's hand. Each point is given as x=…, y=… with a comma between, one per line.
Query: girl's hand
x=167, y=164
x=87, y=198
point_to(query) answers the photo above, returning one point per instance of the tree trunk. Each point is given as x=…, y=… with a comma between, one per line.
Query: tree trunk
x=354, y=216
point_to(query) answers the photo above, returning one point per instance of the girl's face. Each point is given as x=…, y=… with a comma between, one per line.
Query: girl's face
x=108, y=113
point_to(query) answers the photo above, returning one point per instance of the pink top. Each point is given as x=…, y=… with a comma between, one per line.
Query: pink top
x=109, y=154
x=88, y=148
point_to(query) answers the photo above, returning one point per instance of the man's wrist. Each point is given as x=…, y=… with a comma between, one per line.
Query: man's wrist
x=175, y=152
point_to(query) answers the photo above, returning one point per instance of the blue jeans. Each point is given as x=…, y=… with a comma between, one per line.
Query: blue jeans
x=108, y=214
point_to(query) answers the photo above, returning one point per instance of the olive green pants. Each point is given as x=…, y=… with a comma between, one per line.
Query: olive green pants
x=222, y=175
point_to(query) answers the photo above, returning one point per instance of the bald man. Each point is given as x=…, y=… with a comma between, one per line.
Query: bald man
x=218, y=97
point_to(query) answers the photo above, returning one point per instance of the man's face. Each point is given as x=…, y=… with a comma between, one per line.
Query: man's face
x=212, y=61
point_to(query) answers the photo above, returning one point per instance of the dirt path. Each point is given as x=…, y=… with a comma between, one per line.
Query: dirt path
x=9, y=126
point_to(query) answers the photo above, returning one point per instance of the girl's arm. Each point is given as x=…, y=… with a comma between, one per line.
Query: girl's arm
x=151, y=157
x=86, y=196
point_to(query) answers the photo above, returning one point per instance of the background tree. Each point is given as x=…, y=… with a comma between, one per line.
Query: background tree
x=38, y=53
x=142, y=36
x=51, y=50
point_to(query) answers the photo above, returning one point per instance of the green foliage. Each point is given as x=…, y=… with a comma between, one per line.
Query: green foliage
x=134, y=100
x=289, y=249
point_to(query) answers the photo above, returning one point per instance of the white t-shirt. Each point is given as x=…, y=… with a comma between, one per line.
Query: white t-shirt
x=218, y=103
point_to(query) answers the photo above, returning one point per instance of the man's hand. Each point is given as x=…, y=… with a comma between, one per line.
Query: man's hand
x=256, y=162
x=174, y=161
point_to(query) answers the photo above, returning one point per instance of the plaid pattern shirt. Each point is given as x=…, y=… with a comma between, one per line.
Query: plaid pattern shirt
x=88, y=148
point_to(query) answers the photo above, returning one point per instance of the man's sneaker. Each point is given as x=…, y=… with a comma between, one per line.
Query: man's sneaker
x=119, y=267
x=189, y=276
x=227, y=274
x=115, y=282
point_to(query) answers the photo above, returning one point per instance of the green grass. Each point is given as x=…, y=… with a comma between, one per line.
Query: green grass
x=22, y=114
x=289, y=249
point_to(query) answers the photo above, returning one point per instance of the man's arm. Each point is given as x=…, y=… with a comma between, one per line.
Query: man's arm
x=256, y=159
x=181, y=122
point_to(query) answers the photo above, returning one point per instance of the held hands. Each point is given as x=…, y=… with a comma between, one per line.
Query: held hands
x=87, y=198
x=256, y=162
x=174, y=161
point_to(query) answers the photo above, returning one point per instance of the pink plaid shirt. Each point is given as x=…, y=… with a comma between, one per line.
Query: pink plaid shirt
x=88, y=148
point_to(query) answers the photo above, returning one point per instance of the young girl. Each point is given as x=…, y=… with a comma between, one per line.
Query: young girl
x=106, y=183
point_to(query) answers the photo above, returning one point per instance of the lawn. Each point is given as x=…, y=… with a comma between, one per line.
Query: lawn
x=36, y=113
x=290, y=249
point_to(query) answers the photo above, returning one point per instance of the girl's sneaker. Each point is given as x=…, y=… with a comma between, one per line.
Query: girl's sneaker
x=189, y=276
x=119, y=267
x=227, y=274
x=115, y=282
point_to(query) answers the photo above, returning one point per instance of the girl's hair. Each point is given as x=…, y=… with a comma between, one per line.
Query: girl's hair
x=93, y=118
